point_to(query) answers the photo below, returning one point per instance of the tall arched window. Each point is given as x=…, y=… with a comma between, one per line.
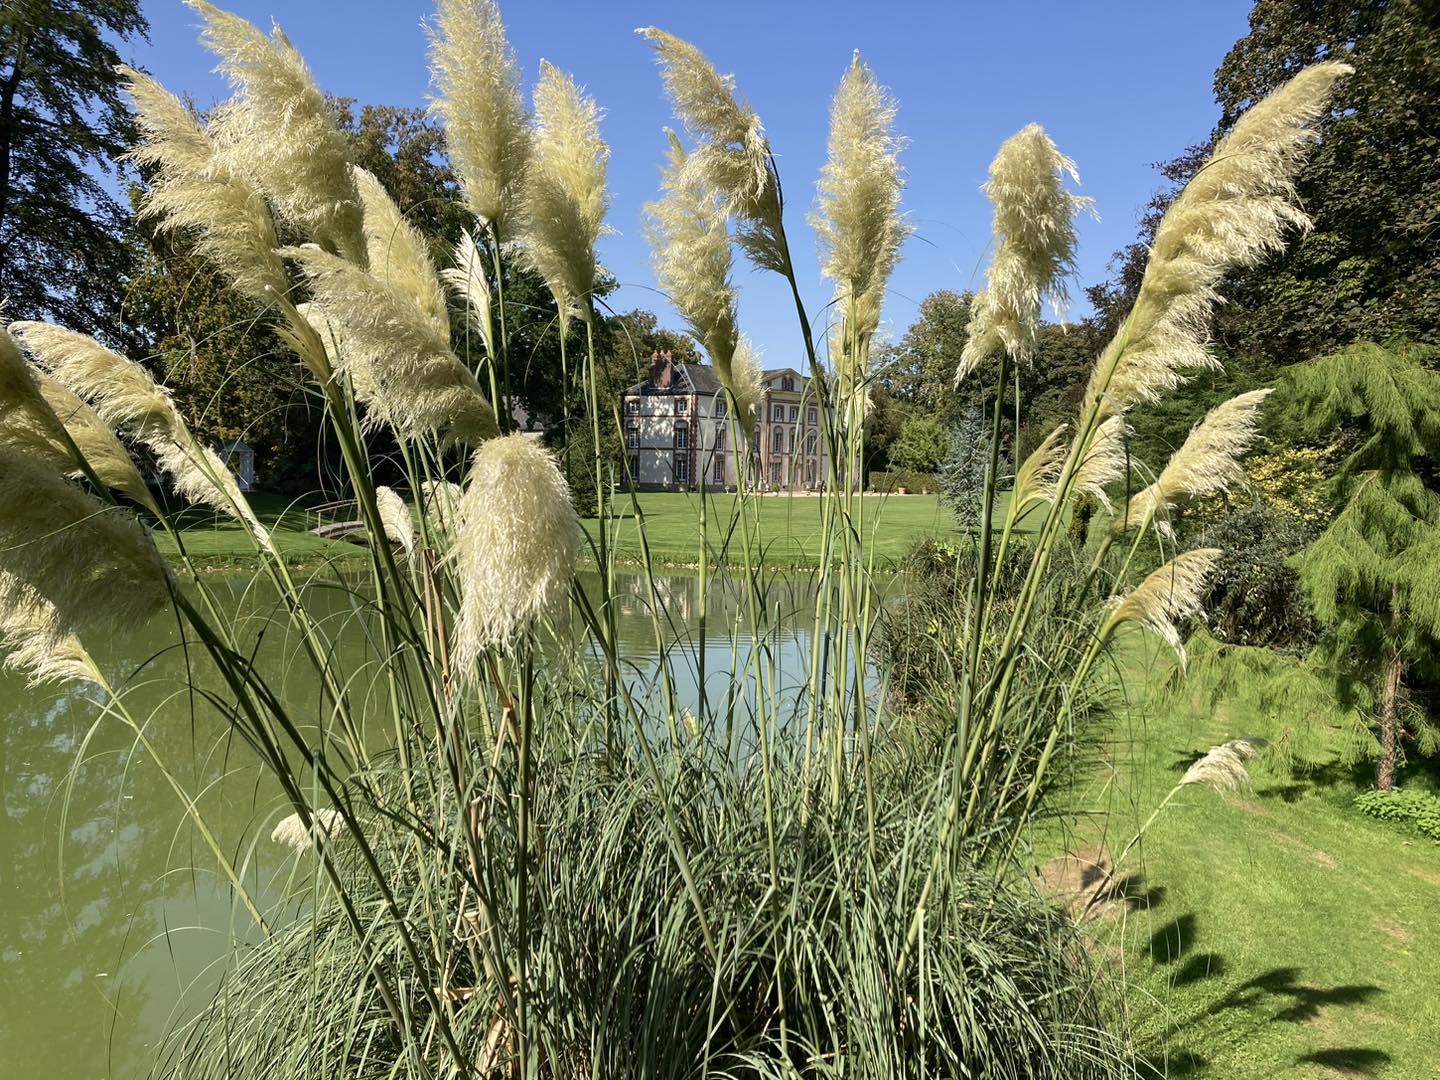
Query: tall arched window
x=777, y=441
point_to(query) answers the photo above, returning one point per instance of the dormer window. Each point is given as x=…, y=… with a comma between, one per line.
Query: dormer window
x=787, y=383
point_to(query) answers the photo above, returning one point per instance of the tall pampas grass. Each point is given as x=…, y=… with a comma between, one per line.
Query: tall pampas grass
x=126, y=398
x=397, y=254
x=858, y=223
x=1166, y=598
x=479, y=100
x=1224, y=768
x=398, y=359
x=1235, y=211
x=1207, y=462
x=193, y=191
x=731, y=155
x=94, y=564
x=1034, y=234
x=290, y=831
x=565, y=199
x=280, y=131
x=515, y=549
x=441, y=501
x=691, y=253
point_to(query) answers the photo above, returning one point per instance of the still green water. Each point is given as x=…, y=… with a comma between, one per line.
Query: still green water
x=112, y=922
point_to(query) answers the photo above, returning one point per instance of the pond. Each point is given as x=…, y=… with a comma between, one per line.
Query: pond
x=111, y=919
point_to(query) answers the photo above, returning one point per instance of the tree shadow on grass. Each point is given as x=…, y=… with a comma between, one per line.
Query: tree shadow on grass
x=1347, y=1060
x=1281, y=985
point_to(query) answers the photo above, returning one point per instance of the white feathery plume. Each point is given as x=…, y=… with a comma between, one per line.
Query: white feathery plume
x=395, y=518
x=1207, y=462
x=442, y=504
x=747, y=389
x=1165, y=598
x=1235, y=211
x=397, y=253
x=398, y=360
x=193, y=191
x=126, y=398
x=486, y=131
x=93, y=563
x=467, y=279
x=515, y=548
x=1034, y=238
x=564, y=196
x=1104, y=461
x=1223, y=769
x=1038, y=474
x=858, y=223
x=690, y=250
x=731, y=156
x=281, y=132
x=41, y=418
x=32, y=642
x=291, y=830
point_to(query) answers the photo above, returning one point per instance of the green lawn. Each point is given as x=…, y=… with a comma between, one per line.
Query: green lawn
x=788, y=526
x=1273, y=933
x=788, y=529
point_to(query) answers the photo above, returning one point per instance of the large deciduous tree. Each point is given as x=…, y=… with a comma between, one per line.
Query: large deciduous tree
x=1374, y=574
x=63, y=254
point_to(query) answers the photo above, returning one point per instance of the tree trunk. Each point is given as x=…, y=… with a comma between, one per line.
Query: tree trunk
x=1390, y=700
x=7, y=132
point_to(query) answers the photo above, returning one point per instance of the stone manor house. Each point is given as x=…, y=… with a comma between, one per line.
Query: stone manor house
x=677, y=432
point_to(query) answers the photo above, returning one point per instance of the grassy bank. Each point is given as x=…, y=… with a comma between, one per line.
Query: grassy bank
x=1276, y=932
x=788, y=529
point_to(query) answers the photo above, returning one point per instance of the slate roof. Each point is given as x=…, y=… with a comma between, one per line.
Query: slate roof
x=684, y=379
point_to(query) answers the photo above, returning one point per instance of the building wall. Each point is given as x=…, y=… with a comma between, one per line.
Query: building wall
x=791, y=444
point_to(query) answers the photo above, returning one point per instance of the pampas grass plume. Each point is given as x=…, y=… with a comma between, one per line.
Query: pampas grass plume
x=515, y=549
x=32, y=641
x=191, y=191
x=1207, y=462
x=858, y=225
x=1034, y=247
x=125, y=397
x=474, y=70
x=1103, y=462
x=395, y=518
x=467, y=279
x=1166, y=598
x=1038, y=474
x=397, y=254
x=291, y=830
x=397, y=358
x=281, y=132
x=1236, y=210
x=1223, y=768
x=565, y=199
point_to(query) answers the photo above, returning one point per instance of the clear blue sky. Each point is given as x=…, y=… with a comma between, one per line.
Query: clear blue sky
x=1118, y=85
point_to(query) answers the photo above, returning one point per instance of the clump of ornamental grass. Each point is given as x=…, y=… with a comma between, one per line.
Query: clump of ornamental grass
x=515, y=546
x=564, y=197
x=486, y=127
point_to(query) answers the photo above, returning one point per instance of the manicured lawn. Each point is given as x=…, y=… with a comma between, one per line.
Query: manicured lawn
x=215, y=540
x=1275, y=932
x=789, y=527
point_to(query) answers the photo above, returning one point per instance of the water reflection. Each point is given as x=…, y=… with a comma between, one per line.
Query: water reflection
x=108, y=930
